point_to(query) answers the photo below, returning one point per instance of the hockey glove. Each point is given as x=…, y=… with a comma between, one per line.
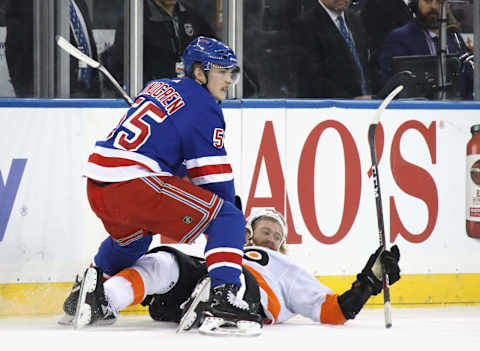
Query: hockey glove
x=370, y=281
x=238, y=202
x=379, y=262
x=389, y=261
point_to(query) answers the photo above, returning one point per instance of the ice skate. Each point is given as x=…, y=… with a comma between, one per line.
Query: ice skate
x=70, y=304
x=195, y=305
x=92, y=306
x=228, y=314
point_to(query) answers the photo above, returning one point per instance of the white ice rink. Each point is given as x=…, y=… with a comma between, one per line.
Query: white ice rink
x=422, y=329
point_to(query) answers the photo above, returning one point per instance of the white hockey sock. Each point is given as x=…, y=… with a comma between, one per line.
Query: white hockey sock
x=119, y=293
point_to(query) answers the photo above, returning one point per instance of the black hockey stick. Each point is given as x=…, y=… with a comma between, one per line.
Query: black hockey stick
x=378, y=197
x=72, y=50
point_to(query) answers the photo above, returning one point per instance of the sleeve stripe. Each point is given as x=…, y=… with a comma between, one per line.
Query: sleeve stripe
x=331, y=312
x=206, y=161
x=208, y=170
x=215, y=178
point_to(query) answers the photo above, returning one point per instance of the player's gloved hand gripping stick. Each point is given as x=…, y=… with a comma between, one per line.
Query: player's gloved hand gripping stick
x=378, y=198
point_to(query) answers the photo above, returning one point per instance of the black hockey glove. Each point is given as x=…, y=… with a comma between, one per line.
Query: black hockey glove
x=389, y=261
x=238, y=202
x=379, y=262
x=370, y=281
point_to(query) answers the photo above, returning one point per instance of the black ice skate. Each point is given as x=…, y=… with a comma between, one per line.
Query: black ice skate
x=70, y=304
x=92, y=306
x=229, y=314
x=192, y=309
x=219, y=311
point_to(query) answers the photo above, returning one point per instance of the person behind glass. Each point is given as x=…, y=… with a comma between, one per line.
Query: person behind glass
x=420, y=36
x=168, y=27
x=380, y=17
x=332, y=43
x=84, y=81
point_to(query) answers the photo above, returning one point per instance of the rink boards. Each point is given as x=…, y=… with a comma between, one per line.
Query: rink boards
x=309, y=159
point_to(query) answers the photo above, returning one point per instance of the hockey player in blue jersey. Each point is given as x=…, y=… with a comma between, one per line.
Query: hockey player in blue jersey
x=133, y=188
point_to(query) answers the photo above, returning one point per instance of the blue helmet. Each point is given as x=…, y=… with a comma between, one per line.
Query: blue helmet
x=208, y=52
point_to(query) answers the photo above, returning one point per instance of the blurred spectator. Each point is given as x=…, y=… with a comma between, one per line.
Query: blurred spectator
x=420, y=36
x=380, y=17
x=267, y=49
x=332, y=43
x=463, y=12
x=169, y=26
x=210, y=11
x=84, y=81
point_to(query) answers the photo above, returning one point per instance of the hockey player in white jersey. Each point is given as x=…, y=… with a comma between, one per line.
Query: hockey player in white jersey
x=285, y=289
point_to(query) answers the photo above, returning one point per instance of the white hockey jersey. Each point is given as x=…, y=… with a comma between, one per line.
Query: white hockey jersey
x=286, y=289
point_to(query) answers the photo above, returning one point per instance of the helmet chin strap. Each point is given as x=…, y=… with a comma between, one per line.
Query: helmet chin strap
x=206, y=80
x=206, y=76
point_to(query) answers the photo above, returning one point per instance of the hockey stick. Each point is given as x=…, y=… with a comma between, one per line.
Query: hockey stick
x=72, y=50
x=378, y=197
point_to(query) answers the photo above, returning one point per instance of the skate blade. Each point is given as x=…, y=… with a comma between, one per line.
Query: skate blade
x=189, y=317
x=83, y=313
x=215, y=326
x=66, y=319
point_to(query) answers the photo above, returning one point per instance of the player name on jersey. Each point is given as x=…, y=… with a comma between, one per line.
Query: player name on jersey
x=167, y=96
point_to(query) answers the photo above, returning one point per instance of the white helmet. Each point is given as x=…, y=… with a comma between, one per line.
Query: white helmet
x=270, y=213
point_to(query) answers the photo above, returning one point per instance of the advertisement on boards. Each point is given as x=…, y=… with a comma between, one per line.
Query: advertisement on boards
x=311, y=164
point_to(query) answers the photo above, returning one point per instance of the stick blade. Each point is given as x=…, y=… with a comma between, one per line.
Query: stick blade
x=385, y=103
x=72, y=50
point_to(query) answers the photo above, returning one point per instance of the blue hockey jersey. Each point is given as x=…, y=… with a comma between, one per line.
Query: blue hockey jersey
x=174, y=123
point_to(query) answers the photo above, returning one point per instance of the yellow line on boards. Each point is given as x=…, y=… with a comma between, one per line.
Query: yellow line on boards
x=415, y=290
x=420, y=289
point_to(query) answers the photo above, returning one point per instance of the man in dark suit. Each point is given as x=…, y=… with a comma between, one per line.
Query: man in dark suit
x=420, y=36
x=19, y=49
x=333, y=53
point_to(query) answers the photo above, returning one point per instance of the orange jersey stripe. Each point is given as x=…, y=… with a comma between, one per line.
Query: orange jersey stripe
x=331, y=312
x=135, y=279
x=273, y=301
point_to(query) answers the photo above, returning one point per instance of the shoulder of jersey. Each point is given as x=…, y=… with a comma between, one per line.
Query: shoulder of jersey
x=257, y=252
x=191, y=91
x=264, y=254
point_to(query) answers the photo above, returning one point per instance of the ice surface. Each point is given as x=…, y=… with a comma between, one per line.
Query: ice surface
x=444, y=328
